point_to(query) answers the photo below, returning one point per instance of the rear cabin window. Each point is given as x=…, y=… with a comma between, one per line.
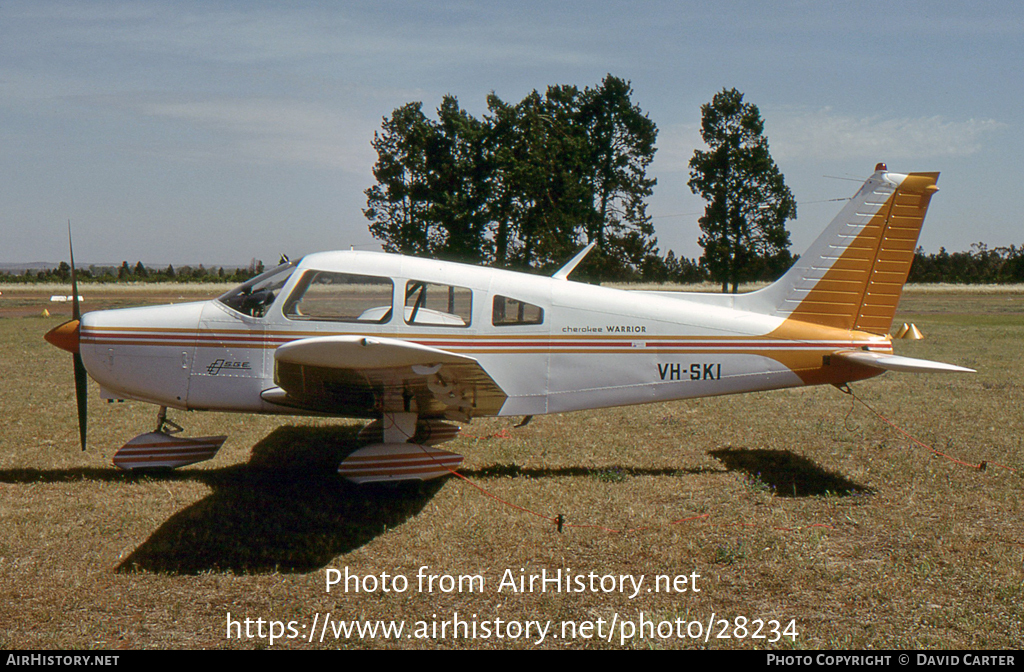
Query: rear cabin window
x=340, y=297
x=511, y=312
x=435, y=305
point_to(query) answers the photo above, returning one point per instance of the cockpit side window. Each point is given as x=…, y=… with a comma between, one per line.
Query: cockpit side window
x=511, y=312
x=340, y=297
x=255, y=297
x=436, y=305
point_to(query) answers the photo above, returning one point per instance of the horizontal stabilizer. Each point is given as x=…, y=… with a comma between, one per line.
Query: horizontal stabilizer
x=896, y=363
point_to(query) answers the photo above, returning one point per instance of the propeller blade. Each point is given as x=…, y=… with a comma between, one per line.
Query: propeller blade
x=76, y=310
x=81, y=396
x=81, y=376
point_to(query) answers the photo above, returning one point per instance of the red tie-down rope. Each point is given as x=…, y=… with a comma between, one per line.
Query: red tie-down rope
x=981, y=466
x=560, y=521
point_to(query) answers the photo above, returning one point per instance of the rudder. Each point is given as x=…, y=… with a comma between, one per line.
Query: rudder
x=852, y=277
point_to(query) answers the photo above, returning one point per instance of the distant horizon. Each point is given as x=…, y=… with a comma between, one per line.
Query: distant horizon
x=42, y=265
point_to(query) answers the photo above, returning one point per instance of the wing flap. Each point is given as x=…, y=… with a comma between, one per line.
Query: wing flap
x=896, y=363
x=361, y=376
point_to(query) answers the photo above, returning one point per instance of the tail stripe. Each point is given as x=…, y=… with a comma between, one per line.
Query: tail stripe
x=853, y=276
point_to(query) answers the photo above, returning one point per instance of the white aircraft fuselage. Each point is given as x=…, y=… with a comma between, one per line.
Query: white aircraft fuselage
x=407, y=340
x=596, y=347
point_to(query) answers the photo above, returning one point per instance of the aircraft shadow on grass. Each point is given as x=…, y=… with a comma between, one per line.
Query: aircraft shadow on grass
x=786, y=474
x=286, y=510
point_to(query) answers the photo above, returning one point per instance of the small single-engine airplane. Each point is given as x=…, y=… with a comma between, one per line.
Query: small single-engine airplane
x=412, y=342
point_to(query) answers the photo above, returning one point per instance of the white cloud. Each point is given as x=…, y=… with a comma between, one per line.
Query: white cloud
x=822, y=134
x=801, y=134
x=676, y=144
x=267, y=131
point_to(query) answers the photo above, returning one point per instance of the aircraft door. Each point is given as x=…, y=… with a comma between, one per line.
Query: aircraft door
x=230, y=367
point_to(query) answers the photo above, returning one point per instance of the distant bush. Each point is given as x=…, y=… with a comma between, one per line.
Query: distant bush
x=137, y=273
x=981, y=265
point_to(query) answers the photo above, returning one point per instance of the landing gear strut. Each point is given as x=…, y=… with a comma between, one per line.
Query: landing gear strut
x=165, y=426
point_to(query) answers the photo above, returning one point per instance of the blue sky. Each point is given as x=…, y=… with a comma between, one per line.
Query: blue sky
x=216, y=132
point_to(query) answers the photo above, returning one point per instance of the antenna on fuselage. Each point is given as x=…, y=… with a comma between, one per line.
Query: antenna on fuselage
x=564, y=271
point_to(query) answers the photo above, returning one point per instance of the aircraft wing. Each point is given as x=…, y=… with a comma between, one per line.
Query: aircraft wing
x=896, y=363
x=362, y=375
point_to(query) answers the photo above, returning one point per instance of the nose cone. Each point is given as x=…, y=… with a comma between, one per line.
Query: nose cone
x=65, y=336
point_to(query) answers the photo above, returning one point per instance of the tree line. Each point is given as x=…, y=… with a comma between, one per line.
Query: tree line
x=980, y=265
x=137, y=273
x=530, y=183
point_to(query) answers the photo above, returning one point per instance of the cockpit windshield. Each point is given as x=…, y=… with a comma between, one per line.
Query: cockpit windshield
x=256, y=296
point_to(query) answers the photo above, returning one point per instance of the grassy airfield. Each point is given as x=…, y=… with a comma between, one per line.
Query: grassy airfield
x=797, y=506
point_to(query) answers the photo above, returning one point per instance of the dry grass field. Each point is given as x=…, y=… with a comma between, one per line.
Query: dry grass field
x=794, y=506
